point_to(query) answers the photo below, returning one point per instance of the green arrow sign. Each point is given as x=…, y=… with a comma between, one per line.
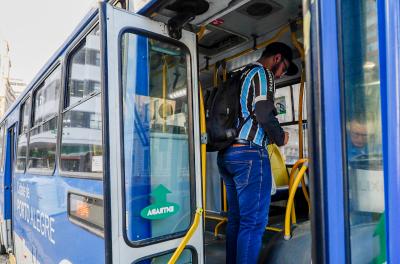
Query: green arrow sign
x=161, y=208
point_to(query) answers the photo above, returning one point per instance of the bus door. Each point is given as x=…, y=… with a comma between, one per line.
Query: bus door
x=8, y=190
x=152, y=182
x=354, y=130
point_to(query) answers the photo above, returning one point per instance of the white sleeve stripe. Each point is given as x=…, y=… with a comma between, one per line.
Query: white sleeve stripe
x=260, y=98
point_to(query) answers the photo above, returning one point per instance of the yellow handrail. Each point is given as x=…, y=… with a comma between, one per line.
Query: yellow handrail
x=216, y=229
x=218, y=218
x=203, y=148
x=291, y=178
x=292, y=192
x=223, y=220
x=201, y=32
x=187, y=237
x=300, y=49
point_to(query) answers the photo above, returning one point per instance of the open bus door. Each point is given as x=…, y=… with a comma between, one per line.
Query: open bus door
x=8, y=187
x=150, y=98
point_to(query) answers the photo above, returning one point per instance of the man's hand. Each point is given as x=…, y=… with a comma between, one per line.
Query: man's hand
x=285, y=141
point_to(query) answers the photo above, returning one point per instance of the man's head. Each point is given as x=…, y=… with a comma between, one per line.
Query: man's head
x=358, y=132
x=277, y=57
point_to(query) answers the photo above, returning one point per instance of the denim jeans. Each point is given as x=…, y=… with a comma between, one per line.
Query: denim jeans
x=246, y=172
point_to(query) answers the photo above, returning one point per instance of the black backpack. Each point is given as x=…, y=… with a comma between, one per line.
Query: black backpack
x=222, y=105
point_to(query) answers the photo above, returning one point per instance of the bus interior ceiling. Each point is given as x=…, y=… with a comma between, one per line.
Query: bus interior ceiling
x=234, y=34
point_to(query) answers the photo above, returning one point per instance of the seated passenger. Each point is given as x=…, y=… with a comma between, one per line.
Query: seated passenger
x=357, y=145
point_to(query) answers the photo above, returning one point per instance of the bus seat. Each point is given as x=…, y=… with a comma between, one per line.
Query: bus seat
x=278, y=166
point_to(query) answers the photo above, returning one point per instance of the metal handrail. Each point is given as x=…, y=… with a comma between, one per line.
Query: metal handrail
x=292, y=192
x=187, y=237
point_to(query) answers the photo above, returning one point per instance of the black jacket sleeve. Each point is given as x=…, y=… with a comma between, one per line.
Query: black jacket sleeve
x=265, y=115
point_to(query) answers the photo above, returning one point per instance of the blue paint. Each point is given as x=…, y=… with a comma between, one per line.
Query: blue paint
x=48, y=195
x=389, y=60
x=146, y=7
x=333, y=169
x=8, y=174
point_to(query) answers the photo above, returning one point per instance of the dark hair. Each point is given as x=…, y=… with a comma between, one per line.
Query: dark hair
x=278, y=48
x=359, y=117
x=286, y=52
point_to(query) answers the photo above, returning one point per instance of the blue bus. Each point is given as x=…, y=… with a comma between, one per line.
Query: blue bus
x=102, y=158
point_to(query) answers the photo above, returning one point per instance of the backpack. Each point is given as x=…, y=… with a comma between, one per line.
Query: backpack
x=222, y=106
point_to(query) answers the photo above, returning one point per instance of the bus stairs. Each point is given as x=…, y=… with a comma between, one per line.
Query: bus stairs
x=275, y=248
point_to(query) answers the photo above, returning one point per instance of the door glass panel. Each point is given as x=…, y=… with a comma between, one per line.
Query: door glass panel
x=185, y=258
x=156, y=137
x=363, y=131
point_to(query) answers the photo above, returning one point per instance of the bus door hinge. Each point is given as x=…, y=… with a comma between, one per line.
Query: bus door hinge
x=203, y=138
x=255, y=37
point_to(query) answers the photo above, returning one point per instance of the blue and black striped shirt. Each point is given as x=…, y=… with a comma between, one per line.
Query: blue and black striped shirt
x=258, y=85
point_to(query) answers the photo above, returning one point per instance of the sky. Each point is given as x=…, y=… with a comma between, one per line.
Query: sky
x=35, y=29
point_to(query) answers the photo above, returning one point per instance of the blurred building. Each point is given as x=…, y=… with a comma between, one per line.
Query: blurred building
x=10, y=88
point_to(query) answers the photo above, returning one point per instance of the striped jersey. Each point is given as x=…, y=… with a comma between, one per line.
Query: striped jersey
x=257, y=86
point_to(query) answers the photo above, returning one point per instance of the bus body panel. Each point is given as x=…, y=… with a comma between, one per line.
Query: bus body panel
x=42, y=227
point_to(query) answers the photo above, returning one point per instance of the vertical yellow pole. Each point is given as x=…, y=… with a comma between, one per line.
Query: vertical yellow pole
x=225, y=205
x=203, y=131
x=300, y=111
x=215, y=76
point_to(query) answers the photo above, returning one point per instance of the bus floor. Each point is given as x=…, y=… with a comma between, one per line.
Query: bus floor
x=274, y=249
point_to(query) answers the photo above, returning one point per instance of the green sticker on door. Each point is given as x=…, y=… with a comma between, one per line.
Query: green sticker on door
x=161, y=208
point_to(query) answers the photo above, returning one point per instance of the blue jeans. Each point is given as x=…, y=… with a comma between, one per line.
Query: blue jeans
x=246, y=172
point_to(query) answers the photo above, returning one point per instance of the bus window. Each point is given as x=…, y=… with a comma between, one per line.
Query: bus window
x=287, y=105
x=2, y=146
x=156, y=136
x=22, y=138
x=81, y=142
x=84, y=69
x=43, y=135
x=283, y=104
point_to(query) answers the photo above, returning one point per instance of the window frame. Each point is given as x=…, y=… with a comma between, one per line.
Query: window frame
x=64, y=108
x=170, y=251
x=77, y=174
x=32, y=95
x=3, y=145
x=294, y=122
x=191, y=140
x=290, y=83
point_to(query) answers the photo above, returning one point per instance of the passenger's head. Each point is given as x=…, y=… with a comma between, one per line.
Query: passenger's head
x=277, y=57
x=358, y=131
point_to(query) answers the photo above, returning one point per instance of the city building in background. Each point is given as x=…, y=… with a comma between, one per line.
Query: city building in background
x=10, y=88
